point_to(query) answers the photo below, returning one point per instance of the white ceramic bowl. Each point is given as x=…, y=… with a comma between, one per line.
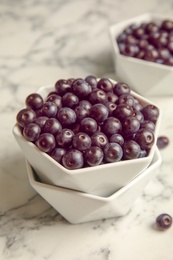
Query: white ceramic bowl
x=145, y=77
x=100, y=180
x=78, y=207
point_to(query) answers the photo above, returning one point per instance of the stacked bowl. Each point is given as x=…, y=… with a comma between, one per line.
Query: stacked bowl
x=89, y=193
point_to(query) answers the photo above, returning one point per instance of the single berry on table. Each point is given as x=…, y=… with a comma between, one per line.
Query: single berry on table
x=162, y=142
x=25, y=117
x=31, y=132
x=164, y=221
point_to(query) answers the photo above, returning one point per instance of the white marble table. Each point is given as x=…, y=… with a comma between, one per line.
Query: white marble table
x=40, y=42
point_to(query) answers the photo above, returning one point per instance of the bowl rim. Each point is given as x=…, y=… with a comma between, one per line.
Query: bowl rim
x=114, y=32
x=154, y=164
x=143, y=100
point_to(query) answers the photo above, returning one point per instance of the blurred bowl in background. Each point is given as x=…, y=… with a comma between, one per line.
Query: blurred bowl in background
x=145, y=77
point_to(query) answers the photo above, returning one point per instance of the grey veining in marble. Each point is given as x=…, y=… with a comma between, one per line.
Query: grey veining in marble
x=40, y=42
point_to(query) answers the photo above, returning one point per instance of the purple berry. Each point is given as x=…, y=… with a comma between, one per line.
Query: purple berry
x=117, y=138
x=99, y=112
x=73, y=159
x=34, y=101
x=81, y=88
x=92, y=81
x=164, y=221
x=111, y=125
x=123, y=111
x=151, y=113
x=81, y=113
x=112, y=152
x=57, y=154
x=62, y=86
x=81, y=141
x=162, y=142
x=55, y=99
x=131, y=125
x=52, y=126
x=46, y=142
x=40, y=121
x=97, y=96
x=93, y=156
x=121, y=88
x=88, y=125
x=105, y=84
x=66, y=116
x=70, y=100
x=131, y=150
x=49, y=109
x=145, y=138
x=64, y=138
x=99, y=139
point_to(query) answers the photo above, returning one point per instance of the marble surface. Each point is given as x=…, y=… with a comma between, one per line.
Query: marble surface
x=40, y=42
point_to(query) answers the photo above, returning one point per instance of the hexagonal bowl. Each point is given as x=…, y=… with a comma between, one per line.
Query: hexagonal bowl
x=100, y=180
x=78, y=207
x=145, y=77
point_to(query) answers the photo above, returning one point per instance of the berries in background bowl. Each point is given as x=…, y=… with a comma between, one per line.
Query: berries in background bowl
x=143, y=53
x=74, y=144
x=151, y=41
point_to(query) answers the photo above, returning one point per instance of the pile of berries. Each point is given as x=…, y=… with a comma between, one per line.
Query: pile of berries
x=88, y=122
x=148, y=41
